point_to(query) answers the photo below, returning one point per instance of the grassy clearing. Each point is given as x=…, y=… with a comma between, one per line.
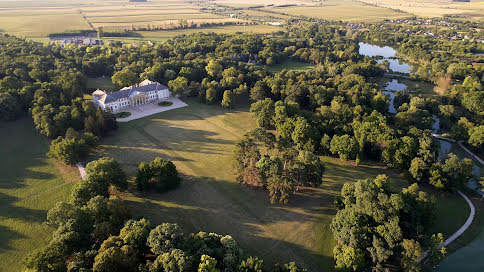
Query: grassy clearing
x=102, y=83
x=199, y=139
x=290, y=65
x=343, y=10
x=30, y=184
x=163, y=35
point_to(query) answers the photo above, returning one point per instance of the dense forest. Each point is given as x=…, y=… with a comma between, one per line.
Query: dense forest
x=335, y=108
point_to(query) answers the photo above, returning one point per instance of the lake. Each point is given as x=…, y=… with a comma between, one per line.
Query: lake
x=387, y=53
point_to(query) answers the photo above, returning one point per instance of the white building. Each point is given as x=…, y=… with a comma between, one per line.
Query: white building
x=139, y=94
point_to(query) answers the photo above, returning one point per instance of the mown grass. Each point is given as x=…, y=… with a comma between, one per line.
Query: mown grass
x=30, y=184
x=290, y=65
x=343, y=10
x=165, y=103
x=123, y=114
x=102, y=83
x=199, y=139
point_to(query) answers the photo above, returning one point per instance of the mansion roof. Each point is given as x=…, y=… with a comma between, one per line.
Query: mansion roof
x=128, y=92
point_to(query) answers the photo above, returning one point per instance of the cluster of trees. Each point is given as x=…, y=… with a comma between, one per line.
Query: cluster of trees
x=160, y=175
x=262, y=161
x=380, y=230
x=72, y=148
x=94, y=232
x=42, y=81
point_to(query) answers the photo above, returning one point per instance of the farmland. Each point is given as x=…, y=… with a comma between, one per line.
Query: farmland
x=345, y=10
x=36, y=19
x=435, y=8
x=30, y=184
x=199, y=139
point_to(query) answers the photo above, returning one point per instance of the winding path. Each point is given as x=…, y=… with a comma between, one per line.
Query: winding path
x=82, y=170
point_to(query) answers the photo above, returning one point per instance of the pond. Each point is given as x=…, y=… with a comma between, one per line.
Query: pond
x=390, y=88
x=387, y=53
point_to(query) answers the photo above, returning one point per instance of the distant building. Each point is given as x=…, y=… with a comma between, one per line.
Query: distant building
x=138, y=1
x=274, y=23
x=79, y=41
x=461, y=0
x=136, y=95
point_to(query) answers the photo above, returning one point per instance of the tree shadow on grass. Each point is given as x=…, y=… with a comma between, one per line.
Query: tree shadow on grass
x=277, y=233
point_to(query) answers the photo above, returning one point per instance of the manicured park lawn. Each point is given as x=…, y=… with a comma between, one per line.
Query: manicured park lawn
x=30, y=184
x=123, y=114
x=102, y=83
x=290, y=65
x=165, y=103
x=199, y=139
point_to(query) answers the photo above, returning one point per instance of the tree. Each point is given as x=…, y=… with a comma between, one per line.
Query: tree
x=10, y=108
x=179, y=85
x=214, y=68
x=164, y=238
x=158, y=174
x=476, y=137
x=411, y=256
x=251, y=264
x=207, y=264
x=109, y=170
x=135, y=233
x=345, y=146
x=71, y=150
x=437, y=251
x=211, y=95
x=263, y=111
x=173, y=261
x=228, y=99
x=124, y=78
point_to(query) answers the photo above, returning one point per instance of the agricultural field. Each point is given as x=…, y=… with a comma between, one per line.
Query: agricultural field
x=435, y=8
x=30, y=184
x=199, y=139
x=37, y=19
x=342, y=10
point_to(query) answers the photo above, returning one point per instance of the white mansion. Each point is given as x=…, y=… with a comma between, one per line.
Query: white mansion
x=139, y=94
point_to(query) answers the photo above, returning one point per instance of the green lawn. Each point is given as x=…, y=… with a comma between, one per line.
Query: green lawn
x=290, y=65
x=30, y=184
x=199, y=139
x=102, y=83
x=123, y=114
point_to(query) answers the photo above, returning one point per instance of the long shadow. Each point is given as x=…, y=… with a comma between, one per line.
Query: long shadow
x=270, y=231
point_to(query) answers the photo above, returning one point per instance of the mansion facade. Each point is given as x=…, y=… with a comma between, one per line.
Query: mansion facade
x=139, y=94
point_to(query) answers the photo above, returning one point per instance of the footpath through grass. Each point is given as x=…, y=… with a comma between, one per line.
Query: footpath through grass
x=199, y=139
x=30, y=184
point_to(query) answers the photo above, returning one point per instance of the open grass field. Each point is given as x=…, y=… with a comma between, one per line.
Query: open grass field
x=342, y=10
x=163, y=35
x=290, y=65
x=199, y=139
x=102, y=83
x=435, y=8
x=30, y=184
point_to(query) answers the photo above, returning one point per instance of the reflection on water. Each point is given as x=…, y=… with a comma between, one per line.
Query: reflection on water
x=397, y=65
x=390, y=88
x=371, y=50
x=391, y=107
x=447, y=147
x=387, y=53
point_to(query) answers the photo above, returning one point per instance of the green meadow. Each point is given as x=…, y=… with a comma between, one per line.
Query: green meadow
x=30, y=184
